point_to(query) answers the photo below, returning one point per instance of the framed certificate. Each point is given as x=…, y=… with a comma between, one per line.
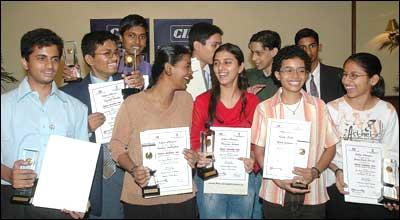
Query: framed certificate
x=362, y=170
x=162, y=151
x=230, y=145
x=287, y=146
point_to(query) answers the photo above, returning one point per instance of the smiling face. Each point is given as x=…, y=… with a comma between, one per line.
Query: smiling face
x=182, y=72
x=227, y=68
x=356, y=81
x=292, y=75
x=261, y=56
x=42, y=65
x=104, y=63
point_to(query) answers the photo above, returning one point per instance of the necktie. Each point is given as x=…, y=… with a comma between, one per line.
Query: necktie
x=108, y=163
x=313, y=87
x=207, y=80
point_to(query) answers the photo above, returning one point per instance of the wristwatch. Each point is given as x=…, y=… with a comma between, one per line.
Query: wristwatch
x=317, y=171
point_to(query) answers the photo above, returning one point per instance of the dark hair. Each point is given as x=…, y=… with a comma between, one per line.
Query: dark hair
x=171, y=54
x=92, y=40
x=267, y=38
x=201, y=32
x=132, y=21
x=289, y=52
x=306, y=32
x=371, y=65
x=40, y=37
x=216, y=90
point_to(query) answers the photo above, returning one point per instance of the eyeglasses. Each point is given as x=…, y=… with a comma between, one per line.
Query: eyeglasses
x=290, y=70
x=352, y=76
x=109, y=54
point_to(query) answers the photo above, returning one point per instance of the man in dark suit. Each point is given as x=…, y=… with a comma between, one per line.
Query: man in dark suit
x=327, y=79
x=100, y=52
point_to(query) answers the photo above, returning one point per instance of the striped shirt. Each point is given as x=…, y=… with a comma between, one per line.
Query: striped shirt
x=323, y=135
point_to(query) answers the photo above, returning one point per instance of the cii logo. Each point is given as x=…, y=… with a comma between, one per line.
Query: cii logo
x=179, y=33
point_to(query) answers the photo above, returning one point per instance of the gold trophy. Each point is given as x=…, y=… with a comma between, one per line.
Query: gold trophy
x=207, y=146
x=390, y=174
x=70, y=59
x=130, y=61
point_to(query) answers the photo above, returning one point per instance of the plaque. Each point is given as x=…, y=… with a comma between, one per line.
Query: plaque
x=389, y=177
x=70, y=59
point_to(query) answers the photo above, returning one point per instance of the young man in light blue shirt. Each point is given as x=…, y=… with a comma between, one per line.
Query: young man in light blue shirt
x=30, y=114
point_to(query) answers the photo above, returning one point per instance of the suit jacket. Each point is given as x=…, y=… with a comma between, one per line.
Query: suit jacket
x=80, y=90
x=331, y=86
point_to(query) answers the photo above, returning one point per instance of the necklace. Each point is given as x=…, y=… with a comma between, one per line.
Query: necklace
x=293, y=111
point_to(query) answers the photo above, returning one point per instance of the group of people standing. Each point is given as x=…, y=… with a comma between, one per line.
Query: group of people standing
x=286, y=83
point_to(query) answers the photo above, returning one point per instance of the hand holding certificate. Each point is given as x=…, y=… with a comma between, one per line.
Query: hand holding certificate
x=287, y=146
x=106, y=98
x=362, y=171
x=162, y=151
x=230, y=145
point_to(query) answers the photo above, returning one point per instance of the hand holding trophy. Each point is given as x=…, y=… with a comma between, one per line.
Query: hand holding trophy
x=24, y=195
x=130, y=61
x=71, y=61
x=207, y=146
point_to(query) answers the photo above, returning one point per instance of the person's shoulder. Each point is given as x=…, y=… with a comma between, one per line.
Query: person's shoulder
x=253, y=72
x=10, y=95
x=76, y=86
x=184, y=96
x=251, y=96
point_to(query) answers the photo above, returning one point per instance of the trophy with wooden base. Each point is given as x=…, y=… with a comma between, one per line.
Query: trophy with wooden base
x=24, y=195
x=207, y=146
x=390, y=175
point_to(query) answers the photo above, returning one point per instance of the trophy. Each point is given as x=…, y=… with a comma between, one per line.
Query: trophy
x=70, y=59
x=389, y=176
x=24, y=195
x=152, y=188
x=207, y=146
x=299, y=185
x=130, y=62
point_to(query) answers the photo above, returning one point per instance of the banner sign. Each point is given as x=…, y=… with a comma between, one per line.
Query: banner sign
x=175, y=31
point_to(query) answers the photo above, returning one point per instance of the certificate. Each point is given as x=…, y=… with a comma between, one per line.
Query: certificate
x=106, y=98
x=162, y=151
x=362, y=169
x=287, y=146
x=66, y=175
x=230, y=145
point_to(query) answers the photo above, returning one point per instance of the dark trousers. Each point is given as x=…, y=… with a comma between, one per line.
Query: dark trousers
x=337, y=208
x=17, y=211
x=184, y=210
x=293, y=209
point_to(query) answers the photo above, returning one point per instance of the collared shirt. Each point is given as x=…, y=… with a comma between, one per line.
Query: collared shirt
x=26, y=122
x=323, y=135
x=95, y=79
x=317, y=79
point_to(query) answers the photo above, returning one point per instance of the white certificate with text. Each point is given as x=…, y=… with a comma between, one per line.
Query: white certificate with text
x=230, y=144
x=162, y=151
x=66, y=175
x=287, y=146
x=107, y=99
x=362, y=170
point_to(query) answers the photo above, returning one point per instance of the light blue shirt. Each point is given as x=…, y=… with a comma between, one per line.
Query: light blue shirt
x=26, y=122
x=95, y=79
